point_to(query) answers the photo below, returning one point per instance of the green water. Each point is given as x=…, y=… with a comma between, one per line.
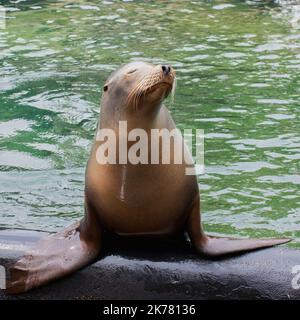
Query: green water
x=238, y=69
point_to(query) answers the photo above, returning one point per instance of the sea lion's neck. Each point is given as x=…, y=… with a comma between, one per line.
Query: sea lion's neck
x=134, y=119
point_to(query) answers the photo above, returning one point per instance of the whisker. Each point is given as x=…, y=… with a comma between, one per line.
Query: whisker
x=173, y=90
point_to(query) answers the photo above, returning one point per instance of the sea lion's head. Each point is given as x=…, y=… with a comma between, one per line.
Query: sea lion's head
x=138, y=87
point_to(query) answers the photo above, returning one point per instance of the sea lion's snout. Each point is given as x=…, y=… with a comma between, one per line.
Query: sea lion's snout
x=160, y=80
x=151, y=84
x=166, y=69
x=165, y=75
x=169, y=78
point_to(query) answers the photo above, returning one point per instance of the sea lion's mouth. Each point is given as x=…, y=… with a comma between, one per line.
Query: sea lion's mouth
x=159, y=85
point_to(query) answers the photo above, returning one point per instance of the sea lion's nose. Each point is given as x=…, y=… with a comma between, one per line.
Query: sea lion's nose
x=166, y=69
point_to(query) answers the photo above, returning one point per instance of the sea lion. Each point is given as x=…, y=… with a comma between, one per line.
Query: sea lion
x=153, y=200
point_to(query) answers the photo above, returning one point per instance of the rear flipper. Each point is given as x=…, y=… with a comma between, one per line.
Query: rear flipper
x=53, y=257
x=215, y=246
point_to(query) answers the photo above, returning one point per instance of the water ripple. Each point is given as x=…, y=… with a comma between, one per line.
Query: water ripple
x=236, y=65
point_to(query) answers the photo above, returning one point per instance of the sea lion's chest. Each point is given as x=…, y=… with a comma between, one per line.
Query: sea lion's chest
x=139, y=199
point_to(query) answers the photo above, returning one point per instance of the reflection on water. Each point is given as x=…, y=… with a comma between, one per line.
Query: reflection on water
x=237, y=65
x=290, y=11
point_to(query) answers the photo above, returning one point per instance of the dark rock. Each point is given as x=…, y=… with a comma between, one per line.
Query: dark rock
x=136, y=269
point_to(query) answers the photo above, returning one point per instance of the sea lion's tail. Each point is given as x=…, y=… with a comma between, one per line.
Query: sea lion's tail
x=215, y=246
x=51, y=258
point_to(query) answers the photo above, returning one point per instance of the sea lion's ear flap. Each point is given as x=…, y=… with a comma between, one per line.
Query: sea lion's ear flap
x=105, y=87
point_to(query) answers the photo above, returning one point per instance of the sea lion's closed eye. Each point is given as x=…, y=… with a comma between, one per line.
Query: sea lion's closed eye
x=132, y=71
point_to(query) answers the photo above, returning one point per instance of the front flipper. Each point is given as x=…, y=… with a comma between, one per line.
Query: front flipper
x=54, y=257
x=218, y=246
